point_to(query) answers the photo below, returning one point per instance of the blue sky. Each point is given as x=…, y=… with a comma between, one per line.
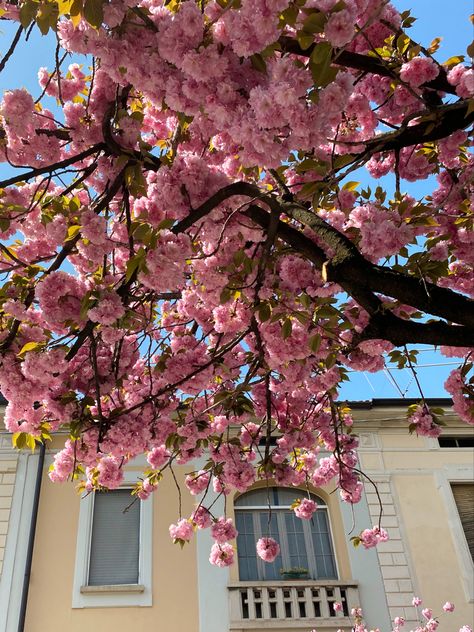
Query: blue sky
x=436, y=18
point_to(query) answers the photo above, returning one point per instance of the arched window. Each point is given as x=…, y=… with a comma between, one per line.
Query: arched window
x=304, y=544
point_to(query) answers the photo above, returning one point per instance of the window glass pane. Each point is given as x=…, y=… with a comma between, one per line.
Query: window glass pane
x=325, y=564
x=456, y=442
x=246, y=546
x=255, y=498
x=295, y=538
x=282, y=496
x=115, y=539
x=287, y=496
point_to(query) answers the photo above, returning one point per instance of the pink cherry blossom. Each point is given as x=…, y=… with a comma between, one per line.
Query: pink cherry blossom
x=182, y=530
x=372, y=537
x=201, y=518
x=223, y=530
x=222, y=555
x=306, y=508
x=419, y=70
x=268, y=549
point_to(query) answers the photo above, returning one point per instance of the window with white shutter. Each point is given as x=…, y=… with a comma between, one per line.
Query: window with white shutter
x=115, y=539
x=114, y=549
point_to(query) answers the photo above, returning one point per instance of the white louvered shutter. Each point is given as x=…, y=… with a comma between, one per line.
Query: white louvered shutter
x=115, y=544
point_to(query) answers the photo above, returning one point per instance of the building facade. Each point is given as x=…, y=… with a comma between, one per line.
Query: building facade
x=98, y=567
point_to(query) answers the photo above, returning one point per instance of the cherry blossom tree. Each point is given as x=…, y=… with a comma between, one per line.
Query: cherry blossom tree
x=190, y=268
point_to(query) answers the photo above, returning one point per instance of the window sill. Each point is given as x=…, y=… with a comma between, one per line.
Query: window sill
x=112, y=588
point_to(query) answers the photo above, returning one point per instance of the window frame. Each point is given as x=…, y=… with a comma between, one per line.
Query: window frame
x=450, y=475
x=113, y=595
x=279, y=510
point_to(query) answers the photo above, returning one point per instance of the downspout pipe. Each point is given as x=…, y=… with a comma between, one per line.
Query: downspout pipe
x=31, y=539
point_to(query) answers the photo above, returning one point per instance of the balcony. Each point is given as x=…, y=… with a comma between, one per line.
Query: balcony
x=297, y=604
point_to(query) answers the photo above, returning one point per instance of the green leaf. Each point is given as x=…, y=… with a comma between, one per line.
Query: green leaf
x=305, y=40
x=314, y=23
x=350, y=186
x=94, y=12
x=166, y=223
x=315, y=343
x=47, y=17
x=142, y=231
x=453, y=61
x=30, y=346
x=290, y=15
x=258, y=62
x=286, y=329
x=22, y=440
x=322, y=53
x=225, y=295
x=86, y=304
x=28, y=13
x=264, y=311
x=135, y=264
x=238, y=257
x=403, y=42
x=4, y=224
x=72, y=231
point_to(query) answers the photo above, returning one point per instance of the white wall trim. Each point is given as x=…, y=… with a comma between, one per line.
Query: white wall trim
x=11, y=581
x=212, y=581
x=365, y=568
x=458, y=474
x=113, y=599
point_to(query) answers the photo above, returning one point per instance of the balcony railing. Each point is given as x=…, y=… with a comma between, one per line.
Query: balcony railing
x=295, y=604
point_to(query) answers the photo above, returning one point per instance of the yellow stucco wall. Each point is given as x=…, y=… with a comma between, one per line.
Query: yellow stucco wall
x=50, y=597
x=417, y=475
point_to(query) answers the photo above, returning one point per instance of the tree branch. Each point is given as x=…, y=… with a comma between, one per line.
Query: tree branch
x=11, y=50
x=364, y=63
x=357, y=276
x=437, y=123
x=50, y=168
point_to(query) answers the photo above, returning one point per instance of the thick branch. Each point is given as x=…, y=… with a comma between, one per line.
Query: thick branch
x=306, y=247
x=347, y=267
x=236, y=188
x=399, y=332
x=359, y=279
x=364, y=63
x=438, y=123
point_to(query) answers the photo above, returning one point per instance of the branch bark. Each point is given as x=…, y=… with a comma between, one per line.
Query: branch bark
x=365, y=63
x=358, y=277
x=67, y=162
